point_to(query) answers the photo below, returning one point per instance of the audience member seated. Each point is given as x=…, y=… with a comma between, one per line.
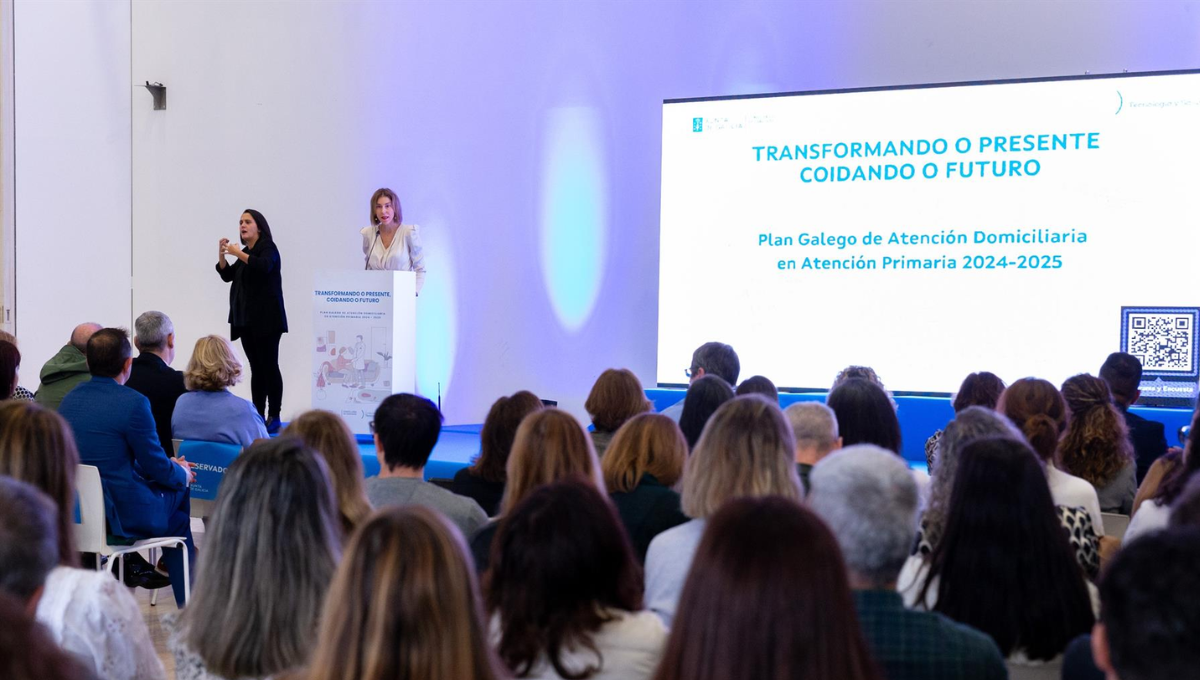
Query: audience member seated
x=404, y=605
x=1186, y=510
x=1096, y=445
x=550, y=445
x=145, y=490
x=1123, y=373
x=616, y=397
x=977, y=389
x=565, y=593
x=866, y=373
x=329, y=435
x=19, y=393
x=704, y=397
x=87, y=613
x=269, y=556
x=209, y=411
x=644, y=462
x=869, y=501
x=746, y=450
x=66, y=369
x=711, y=358
x=866, y=414
x=484, y=480
x=815, y=428
x=28, y=653
x=1160, y=471
x=767, y=598
x=758, y=384
x=1003, y=565
x=10, y=370
x=406, y=429
x=152, y=375
x=1155, y=513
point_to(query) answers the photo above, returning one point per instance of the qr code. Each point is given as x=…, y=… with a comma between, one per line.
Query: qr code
x=1164, y=343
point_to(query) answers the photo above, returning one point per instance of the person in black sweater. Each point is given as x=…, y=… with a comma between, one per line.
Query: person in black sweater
x=152, y=374
x=485, y=479
x=644, y=462
x=256, y=310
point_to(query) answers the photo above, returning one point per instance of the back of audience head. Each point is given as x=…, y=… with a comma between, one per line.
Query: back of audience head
x=767, y=598
x=499, y=431
x=82, y=333
x=715, y=358
x=328, y=434
x=28, y=541
x=37, y=447
x=550, y=445
x=616, y=397
x=561, y=560
x=864, y=372
x=109, y=353
x=1177, y=478
x=153, y=332
x=1003, y=544
x=648, y=444
x=406, y=429
x=214, y=365
x=269, y=555
x=1037, y=409
x=10, y=365
x=1150, y=615
x=758, y=384
x=865, y=414
x=27, y=650
x=815, y=428
x=978, y=389
x=1096, y=444
x=747, y=449
x=1123, y=373
x=703, y=397
x=404, y=605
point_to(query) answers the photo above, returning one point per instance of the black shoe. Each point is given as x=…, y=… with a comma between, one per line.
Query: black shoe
x=141, y=574
x=273, y=425
x=152, y=580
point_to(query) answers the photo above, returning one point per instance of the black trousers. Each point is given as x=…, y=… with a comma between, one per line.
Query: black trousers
x=266, y=382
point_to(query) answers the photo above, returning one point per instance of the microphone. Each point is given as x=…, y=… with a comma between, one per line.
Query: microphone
x=367, y=261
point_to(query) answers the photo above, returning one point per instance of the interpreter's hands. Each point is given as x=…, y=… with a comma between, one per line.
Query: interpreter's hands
x=221, y=248
x=234, y=249
x=187, y=468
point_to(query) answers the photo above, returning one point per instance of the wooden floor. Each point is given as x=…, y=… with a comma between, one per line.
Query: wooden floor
x=165, y=607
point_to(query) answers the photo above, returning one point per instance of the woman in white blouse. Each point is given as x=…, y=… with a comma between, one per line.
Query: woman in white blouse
x=389, y=243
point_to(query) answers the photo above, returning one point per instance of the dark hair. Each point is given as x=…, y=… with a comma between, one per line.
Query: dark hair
x=499, y=432
x=28, y=538
x=865, y=414
x=1149, y=608
x=616, y=396
x=107, y=351
x=979, y=389
x=759, y=384
x=1037, y=408
x=1096, y=444
x=1123, y=373
x=767, y=598
x=1179, y=475
x=10, y=360
x=27, y=650
x=408, y=427
x=717, y=358
x=703, y=399
x=1185, y=511
x=1004, y=564
x=264, y=229
x=559, y=559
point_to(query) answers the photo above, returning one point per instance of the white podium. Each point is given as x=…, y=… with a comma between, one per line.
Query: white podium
x=364, y=328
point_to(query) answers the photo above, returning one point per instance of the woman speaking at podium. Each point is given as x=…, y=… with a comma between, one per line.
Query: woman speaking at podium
x=389, y=243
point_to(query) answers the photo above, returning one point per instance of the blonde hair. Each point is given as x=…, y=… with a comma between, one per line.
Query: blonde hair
x=329, y=435
x=648, y=444
x=404, y=604
x=616, y=397
x=37, y=447
x=379, y=193
x=213, y=366
x=550, y=445
x=746, y=449
x=5, y=336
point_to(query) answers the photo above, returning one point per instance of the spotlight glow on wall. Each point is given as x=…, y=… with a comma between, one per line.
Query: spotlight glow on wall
x=437, y=312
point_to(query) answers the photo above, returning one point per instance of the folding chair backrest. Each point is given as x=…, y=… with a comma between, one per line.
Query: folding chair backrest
x=211, y=459
x=90, y=533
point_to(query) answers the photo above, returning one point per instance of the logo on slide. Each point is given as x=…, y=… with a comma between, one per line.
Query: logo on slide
x=697, y=125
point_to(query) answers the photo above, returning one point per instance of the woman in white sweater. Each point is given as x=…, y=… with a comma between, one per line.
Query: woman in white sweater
x=390, y=244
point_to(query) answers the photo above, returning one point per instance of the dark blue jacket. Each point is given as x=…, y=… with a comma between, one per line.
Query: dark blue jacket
x=114, y=430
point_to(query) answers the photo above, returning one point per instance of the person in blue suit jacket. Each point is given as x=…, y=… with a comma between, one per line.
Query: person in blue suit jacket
x=145, y=490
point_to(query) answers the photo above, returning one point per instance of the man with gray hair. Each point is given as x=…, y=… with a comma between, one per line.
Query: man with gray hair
x=816, y=430
x=28, y=541
x=67, y=368
x=869, y=500
x=152, y=375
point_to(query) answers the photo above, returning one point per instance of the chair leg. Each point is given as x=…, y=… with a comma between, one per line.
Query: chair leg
x=153, y=593
x=187, y=581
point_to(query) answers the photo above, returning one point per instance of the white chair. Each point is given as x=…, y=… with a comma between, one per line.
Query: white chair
x=91, y=535
x=1051, y=670
x=1114, y=524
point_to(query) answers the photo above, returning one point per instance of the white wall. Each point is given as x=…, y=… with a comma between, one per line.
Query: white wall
x=72, y=177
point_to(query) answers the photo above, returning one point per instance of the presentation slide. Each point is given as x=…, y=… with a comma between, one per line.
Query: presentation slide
x=932, y=231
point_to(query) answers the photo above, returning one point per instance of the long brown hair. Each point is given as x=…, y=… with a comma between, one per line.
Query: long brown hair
x=404, y=605
x=1096, y=445
x=1037, y=408
x=499, y=431
x=648, y=444
x=767, y=598
x=329, y=435
x=616, y=397
x=550, y=445
x=37, y=447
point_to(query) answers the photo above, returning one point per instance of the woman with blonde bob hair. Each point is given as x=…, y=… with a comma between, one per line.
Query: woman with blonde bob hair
x=404, y=605
x=644, y=462
x=329, y=435
x=616, y=397
x=390, y=244
x=209, y=411
x=550, y=445
x=746, y=450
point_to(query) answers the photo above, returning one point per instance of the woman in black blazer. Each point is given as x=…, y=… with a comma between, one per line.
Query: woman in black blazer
x=256, y=312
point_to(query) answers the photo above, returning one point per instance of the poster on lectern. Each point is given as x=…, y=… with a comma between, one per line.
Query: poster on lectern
x=364, y=341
